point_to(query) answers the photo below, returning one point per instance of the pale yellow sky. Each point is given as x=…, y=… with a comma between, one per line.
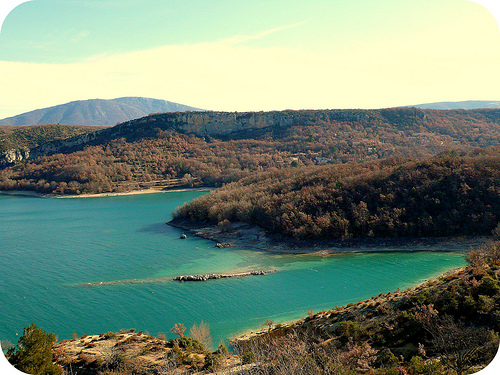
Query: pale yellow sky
x=446, y=61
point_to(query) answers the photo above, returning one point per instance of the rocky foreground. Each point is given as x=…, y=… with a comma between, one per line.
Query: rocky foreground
x=130, y=352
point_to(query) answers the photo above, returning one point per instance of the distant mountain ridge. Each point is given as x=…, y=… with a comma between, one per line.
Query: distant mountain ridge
x=467, y=104
x=101, y=112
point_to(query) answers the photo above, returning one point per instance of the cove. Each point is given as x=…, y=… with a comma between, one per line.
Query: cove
x=50, y=247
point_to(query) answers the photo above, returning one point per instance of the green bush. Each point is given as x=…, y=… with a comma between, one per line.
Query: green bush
x=188, y=343
x=485, y=303
x=213, y=361
x=110, y=335
x=248, y=357
x=386, y=358
x=222, y=350
x=420, y=367
x=176, y=356
x=347, y=329
x=33, y=353
x=489, y=286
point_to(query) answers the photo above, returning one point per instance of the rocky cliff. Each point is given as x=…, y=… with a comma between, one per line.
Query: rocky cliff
x=224, y=125
x=12, y=156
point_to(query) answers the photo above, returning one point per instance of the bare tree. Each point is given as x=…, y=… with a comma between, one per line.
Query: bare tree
x=178, y=329
x=458, y=344
x=201, y=333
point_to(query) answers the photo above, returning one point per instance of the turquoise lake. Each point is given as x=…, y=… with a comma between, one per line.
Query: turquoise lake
x=50, y=247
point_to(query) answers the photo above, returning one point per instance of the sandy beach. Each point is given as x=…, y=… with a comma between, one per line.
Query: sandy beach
x=28, y=193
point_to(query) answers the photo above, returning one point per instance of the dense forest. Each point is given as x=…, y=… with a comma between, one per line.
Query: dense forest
x=449, y=194
x=154, y=152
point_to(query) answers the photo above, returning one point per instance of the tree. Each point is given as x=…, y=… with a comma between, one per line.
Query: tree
x=458, y=345
x=33, y=353
x=178, y=329
x=202, y=334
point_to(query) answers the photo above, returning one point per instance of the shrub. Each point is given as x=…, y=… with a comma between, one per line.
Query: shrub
x=386, y=358
x=213, y=361
x=347, y=329
x=110, y=335
x=222, y=350
x=33, y=353
x=248, y=357
x=188, y=343
x=489, y=286
x=175, y=356
x=420, y=367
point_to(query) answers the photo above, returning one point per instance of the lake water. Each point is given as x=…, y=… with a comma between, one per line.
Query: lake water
x=50, y=247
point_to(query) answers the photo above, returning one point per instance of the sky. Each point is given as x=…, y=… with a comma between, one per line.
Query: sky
x=249, y=55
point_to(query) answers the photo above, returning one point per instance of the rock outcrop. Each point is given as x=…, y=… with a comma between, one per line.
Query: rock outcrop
x=12, y=156
x=216, y=276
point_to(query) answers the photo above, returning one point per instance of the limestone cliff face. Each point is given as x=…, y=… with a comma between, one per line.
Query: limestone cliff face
x=202, y=124
x=11, y=156
x=224, y=124
x=218, y=124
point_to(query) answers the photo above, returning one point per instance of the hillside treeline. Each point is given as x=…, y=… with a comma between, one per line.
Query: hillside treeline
x=168, y=158
x=25, y=137
x=146, y=153
x=449, y=194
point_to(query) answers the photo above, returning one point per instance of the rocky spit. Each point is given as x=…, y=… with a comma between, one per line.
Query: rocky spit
x=210, y=276
x=215, y=276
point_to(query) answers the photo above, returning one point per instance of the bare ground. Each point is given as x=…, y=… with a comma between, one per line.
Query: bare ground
x=249, y=236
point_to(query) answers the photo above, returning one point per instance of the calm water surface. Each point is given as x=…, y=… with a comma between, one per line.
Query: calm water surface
x=50, y=247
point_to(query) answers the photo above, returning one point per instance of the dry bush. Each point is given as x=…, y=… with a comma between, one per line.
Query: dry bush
x=301, y=355
x=178, y=329
x=202, y=333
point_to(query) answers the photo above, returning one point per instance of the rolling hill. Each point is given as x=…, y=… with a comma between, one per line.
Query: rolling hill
x=96, y=112
x=468, y=104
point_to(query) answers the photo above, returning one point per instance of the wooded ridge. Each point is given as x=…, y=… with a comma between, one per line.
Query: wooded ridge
x=212, y=148
x=446, y=195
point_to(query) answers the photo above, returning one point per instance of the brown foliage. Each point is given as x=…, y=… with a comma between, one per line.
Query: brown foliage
x=441, y=196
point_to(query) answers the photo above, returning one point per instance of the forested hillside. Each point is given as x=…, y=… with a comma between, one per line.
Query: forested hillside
x=449, y=194
x=27, y=137
x=213, y=148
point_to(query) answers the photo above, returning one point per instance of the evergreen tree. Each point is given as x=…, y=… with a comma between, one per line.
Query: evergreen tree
x=33, y=353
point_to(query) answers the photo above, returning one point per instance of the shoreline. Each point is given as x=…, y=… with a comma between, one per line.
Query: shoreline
x=34, y=194
x=252, y=237
x=399, y=294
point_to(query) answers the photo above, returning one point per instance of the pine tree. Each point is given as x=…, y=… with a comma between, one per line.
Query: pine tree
x=33, y=353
